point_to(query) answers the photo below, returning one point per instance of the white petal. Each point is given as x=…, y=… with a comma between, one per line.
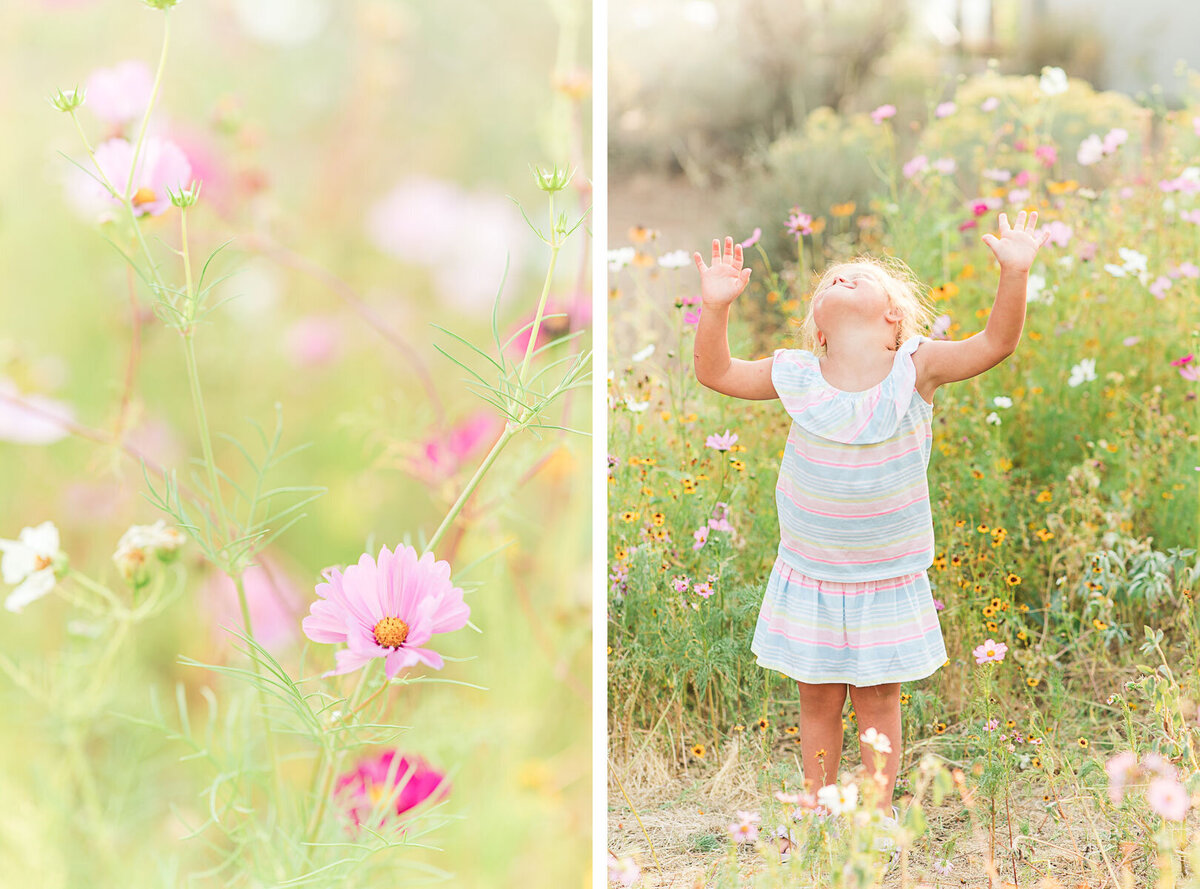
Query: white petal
x=33, y=588
x=19, y=561
x=42, y=539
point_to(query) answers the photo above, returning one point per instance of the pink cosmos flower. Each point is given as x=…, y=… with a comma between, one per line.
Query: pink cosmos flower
x=1131, y=340
x=570, y=315
x=120, y=94
x=939, y=605
x=720, y=525
x=161, y=165
x=409, y=779
x=990, y=651
x=721, y=442
x=991, y=103
x=1160, y=286
x=1047, y=154
x=1119, y=769
x=313, y=341
x=746, y=829
x=1192, y=216
x=798, y=223
x=443, y=456
x=701, y=536
x=945, y=165
x=940, y=325
x=272, y=597
x=918, y=164
x=882, y=113
x=692, y=316
x=945, y=109
x=1059, y=233
x=753, y=239
x=703, y=589
x=1167, y=797
x=388, y=609
x=680, y=583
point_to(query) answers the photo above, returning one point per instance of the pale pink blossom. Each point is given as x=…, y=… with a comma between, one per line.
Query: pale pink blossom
x=120, y=94
x=746, y=828
x=1059, y=233
x=753, y=239
x=1047, y=154
x=918, y=164
x=313, y=341
x=32, y=419
x=991, y=103
x=1168, y=798
x=161, y=165
x=721, y=442
x=272, y=597
x=882, y=113
x=945, y=109
x=1160, y=286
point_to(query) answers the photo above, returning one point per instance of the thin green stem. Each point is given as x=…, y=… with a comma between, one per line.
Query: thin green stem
x=509, y=431
x=555, y=246
x=162, y=63
x=326, y=765
x=104, y=592
x=210, y=464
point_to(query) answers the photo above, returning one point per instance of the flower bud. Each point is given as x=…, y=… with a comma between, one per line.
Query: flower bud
x=552, y=180
x=68, y=102
x=185, y=197
x=164, y=5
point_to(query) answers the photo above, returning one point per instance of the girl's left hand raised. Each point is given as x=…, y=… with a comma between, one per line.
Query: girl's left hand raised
x=1018, y=244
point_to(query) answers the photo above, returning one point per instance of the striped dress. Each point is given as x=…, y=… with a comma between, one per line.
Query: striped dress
x=849, y=598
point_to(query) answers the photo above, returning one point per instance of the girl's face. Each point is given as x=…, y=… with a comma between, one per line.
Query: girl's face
x=855, y=295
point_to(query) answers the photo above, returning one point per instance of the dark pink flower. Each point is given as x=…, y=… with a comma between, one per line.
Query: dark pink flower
x=1047, y=154
x=968, y=224
x=442, y=456
x=568, y=315
x=882, y=113
x=387, y=609
x=400, y=782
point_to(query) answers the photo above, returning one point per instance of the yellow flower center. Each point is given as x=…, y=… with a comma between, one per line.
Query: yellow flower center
x=391, y=632
x=41, y=563
x=144, y=195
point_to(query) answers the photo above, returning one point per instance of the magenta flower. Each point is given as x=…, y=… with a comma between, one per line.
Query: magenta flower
x=161, y=165
x=692, y=316
x=388, y=609
x=990, y=651
x=753, y=239
x=680, y=583
x=1167, y=797
x=442, y=456
x=721, y=442
x=409, y=779
x=120, y=94
x=882, y=113
x=939, y=605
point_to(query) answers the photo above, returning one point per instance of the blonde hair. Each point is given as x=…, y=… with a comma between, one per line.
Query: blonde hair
x=904, y=291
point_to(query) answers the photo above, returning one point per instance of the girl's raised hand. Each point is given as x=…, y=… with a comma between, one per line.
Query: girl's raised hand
x=721, y=282
x=1018, y=244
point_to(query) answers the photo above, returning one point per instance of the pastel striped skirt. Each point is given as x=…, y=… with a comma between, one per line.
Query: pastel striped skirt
x=861, y=633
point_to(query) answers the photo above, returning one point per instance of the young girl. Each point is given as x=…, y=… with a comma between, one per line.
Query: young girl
x=848, y=605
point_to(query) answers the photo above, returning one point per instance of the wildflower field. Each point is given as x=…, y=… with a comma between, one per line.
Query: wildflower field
x=1058, y=745
x=294, y=444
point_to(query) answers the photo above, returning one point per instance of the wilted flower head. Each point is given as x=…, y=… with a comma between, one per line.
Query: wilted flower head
x=30, y=562
x=405, y=781
x=388, y=609
x=140, y=544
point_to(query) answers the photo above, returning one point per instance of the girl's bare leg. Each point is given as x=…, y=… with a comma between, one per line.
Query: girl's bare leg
x=821, y=732
x=878, y=707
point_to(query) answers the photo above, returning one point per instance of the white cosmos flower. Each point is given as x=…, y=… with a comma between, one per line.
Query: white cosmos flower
x=1115, y=270
x=877, y=739
x=838, y=800
x=1002, y=401
x=29, y=562
x=1132, y=261
x=676, y=259
x=643, y=354
x=1035, y=289
x=636, y=406
x=1053, y=81
x=141, y=542
x=619, y=258
x=994, y=418
x=1082, y=372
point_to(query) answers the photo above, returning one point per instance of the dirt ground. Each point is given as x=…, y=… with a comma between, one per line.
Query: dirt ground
x=682, y=814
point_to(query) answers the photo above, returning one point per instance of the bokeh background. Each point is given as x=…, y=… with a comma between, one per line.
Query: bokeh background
x=365, y=161
x=1063, y=481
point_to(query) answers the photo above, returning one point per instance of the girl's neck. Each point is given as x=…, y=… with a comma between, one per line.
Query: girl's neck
x=860, y=360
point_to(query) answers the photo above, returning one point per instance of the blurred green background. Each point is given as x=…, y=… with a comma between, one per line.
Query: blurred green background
x=303, y=120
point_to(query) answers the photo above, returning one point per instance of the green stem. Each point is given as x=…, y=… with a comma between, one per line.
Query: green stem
x=555, y=246
x=326, y=765
x=162, y=62
x=210, y=464
x=104, y=592
x=509, y=431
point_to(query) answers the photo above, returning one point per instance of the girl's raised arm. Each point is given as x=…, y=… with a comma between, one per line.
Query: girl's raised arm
x=720, y=285
x=942, y=361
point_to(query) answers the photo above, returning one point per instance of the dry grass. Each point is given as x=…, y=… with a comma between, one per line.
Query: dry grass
x=686, y=815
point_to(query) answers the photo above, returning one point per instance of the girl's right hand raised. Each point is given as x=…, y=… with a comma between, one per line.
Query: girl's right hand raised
x=721, y=282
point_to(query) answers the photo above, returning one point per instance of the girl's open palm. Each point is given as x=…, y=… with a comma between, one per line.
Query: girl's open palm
x=1018, y=244
x=721, y=282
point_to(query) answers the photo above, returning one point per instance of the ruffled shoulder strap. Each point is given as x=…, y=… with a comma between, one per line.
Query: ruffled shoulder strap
x=849, y=417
